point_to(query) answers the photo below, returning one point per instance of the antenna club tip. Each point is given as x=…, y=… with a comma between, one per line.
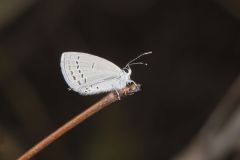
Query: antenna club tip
x=150, y=52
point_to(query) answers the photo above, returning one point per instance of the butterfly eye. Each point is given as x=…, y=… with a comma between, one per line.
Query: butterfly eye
x=125, y=70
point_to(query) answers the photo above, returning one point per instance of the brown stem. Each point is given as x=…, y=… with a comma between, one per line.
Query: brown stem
x=104, y=102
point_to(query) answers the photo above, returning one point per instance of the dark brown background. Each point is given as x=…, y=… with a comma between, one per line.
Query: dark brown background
x=196, y=58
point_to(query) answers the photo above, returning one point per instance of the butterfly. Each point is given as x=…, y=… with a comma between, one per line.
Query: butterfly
x=89, y=74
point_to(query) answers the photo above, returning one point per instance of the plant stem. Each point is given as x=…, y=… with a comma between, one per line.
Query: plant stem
x=104, y=102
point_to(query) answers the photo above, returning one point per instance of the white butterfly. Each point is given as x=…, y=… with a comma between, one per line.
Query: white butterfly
x=89, y=74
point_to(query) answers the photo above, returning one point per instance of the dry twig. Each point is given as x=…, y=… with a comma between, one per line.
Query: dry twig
x=104, y=102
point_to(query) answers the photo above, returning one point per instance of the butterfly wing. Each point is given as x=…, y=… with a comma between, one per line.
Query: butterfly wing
x=82, y=71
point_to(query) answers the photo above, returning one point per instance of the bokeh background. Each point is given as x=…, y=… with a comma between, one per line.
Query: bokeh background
x=195, y=60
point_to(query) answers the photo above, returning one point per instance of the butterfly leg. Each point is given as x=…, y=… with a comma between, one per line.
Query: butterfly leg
x=118, y=94
x=125, y=91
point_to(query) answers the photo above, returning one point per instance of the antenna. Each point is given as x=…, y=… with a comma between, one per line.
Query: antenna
x=130, y=62
x=137, y=63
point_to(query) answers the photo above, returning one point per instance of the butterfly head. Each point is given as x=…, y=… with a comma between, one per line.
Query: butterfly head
x=127, y=71
x=127, y=68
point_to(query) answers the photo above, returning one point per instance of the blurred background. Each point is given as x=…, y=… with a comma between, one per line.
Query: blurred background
x=189, y=104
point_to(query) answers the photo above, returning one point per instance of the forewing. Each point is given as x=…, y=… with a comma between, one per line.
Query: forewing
x=83, y=70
